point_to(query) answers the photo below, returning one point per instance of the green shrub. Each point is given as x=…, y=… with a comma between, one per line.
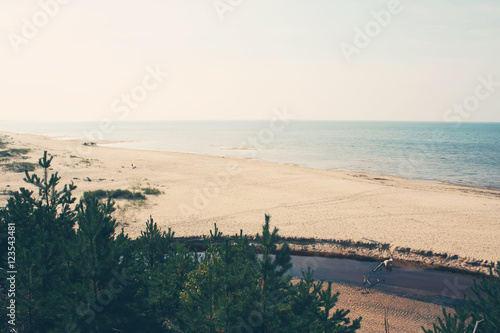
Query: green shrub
x=19, y=151
x=99, y=194
x=126, y=194
x=114, y=194
x=14, y=152
x=152, y=191
x=20, y=166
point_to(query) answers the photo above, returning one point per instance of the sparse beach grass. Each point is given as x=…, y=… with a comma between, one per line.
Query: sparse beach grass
x=20, y=166
x=3, y=144
x=8, y=154
x=14, y=152
x=151, y=191
x=115, y=194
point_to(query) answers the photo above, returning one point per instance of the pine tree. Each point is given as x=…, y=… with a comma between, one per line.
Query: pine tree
x=111, y=296
x=154, y=244
x=164, y=264
x=485, y=307
x=202, y=295
x=44, y=235
x=338, y=321
x=451, y=323
x=273, y=280
x=202, y=298
x=312, y=306
x=305, y=304
x=240, y=282
x=480, y=314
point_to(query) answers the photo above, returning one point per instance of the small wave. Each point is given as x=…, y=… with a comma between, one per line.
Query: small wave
x=236, y=148
x=63, y=137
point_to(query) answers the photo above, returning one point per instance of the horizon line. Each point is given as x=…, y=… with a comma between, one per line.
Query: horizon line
x=263, y=119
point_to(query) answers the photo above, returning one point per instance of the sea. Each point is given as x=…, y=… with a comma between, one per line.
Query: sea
x=456, y=153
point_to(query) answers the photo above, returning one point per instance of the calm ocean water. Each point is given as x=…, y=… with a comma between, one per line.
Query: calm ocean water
x=467, y=153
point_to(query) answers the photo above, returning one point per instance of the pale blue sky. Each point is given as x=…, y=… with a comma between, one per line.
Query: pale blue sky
x=263, y=55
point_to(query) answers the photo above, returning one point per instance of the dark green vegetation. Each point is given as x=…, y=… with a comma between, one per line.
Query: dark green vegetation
x=20, y=166
x=480, y=314
x=122, y=194
x=76, y=273
x=114, y=194
x=13, y=152
x=6, y=155
x=151, y=191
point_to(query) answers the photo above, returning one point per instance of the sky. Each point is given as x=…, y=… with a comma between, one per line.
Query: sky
x=90, y=60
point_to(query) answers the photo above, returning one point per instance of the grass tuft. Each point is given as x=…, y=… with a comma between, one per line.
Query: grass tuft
x=20, y=166
x=13, y=152
x=151, y=191
x=115, y=194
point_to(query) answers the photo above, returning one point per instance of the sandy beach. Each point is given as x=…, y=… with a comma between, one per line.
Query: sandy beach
x=401, y=314
x=199, y=191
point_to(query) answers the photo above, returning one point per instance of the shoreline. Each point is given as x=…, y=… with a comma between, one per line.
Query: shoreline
x=304, y=202
x=374, y=176
x=298, y=165
x=107, y=143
